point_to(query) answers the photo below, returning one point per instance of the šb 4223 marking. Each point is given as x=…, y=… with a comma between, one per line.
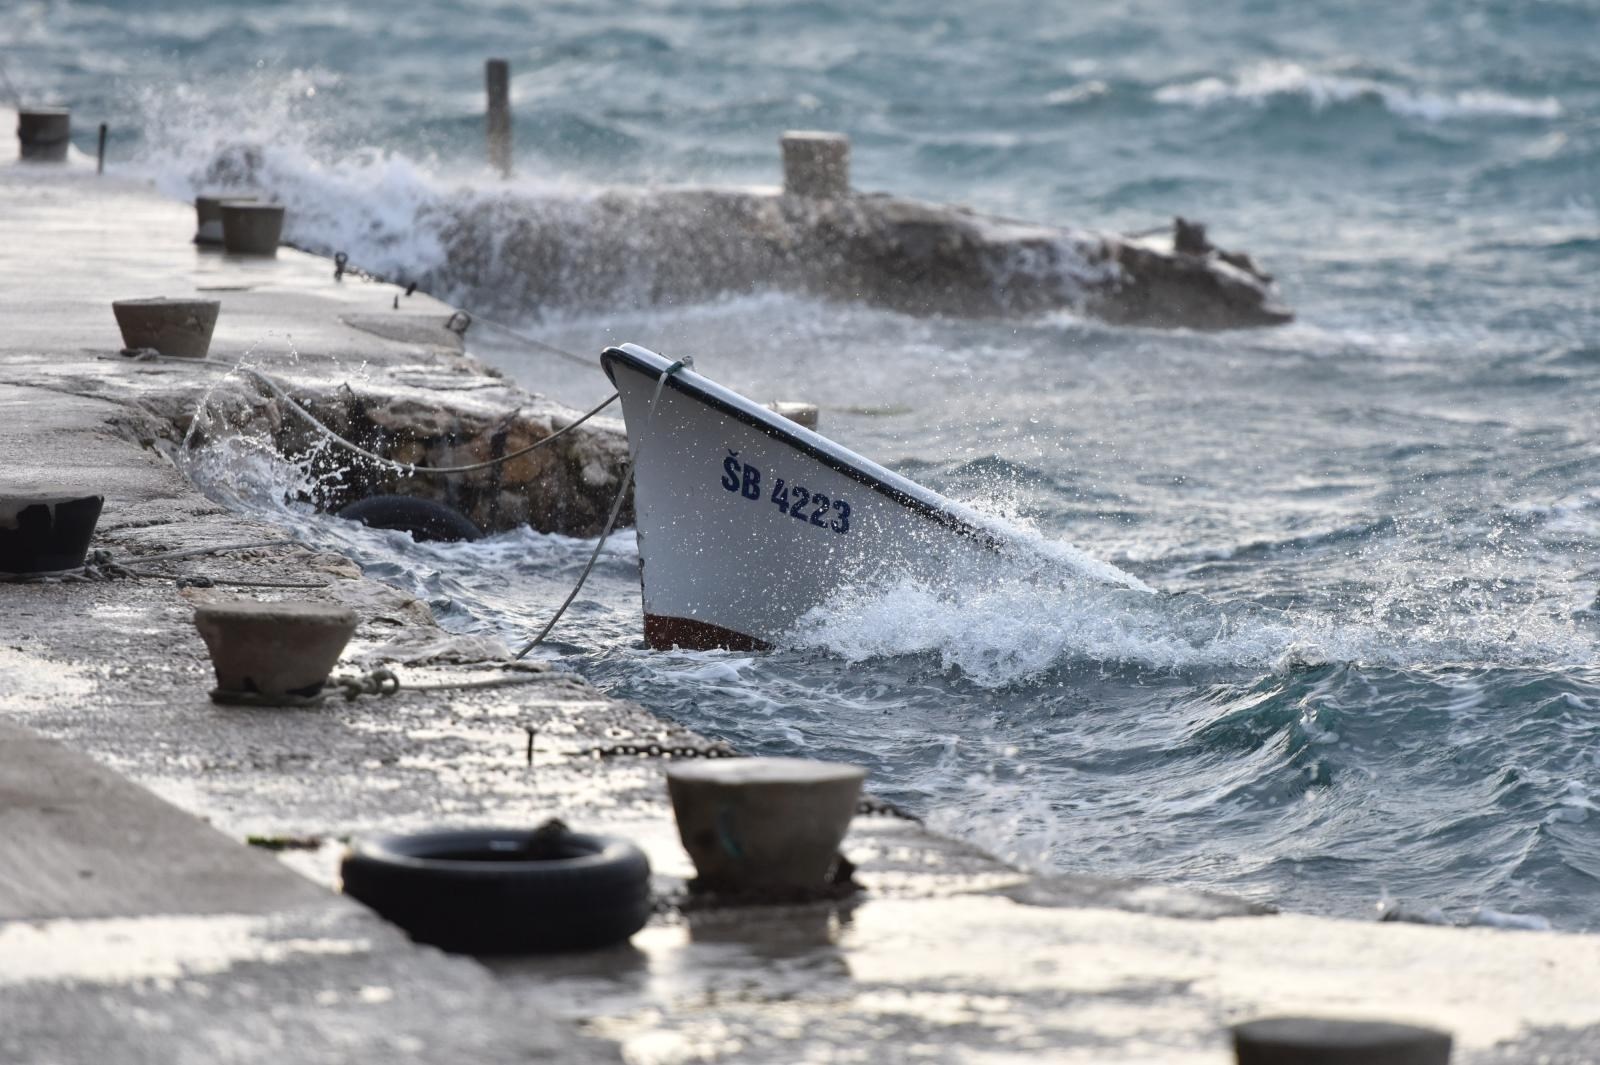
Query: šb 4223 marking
x=797, y=501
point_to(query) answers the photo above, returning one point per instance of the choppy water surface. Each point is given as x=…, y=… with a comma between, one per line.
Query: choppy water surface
x=1374, y=673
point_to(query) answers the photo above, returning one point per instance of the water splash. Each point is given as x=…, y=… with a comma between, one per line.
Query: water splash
x=1018, y=624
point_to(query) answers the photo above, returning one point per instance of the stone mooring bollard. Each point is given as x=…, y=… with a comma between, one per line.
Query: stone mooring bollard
x=44, y=134
x=178, y=328
x=273, y=653
x=1330, y=1041
x=251, y=228
x=208, y=217
x=45, y=532
x=497, y=80
x=816, y=164
x=763, y=824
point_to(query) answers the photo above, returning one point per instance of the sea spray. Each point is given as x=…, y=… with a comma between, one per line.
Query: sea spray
x=1389, y=495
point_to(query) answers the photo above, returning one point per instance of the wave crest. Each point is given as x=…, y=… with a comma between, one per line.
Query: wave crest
x=1021, y=622
x=1264, y=82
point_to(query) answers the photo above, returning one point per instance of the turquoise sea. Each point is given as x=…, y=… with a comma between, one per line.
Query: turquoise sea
x=1377, y=683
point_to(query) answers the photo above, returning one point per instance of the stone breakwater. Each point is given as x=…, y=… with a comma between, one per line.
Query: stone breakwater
x=685, y=245
x=522, y=254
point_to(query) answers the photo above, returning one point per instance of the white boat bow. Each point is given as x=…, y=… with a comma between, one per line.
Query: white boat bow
x=747, y=521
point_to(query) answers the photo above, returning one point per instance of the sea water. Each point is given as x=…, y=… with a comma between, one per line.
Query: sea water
x=1372, y=673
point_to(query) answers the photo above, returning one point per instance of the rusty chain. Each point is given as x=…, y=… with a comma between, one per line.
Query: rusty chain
x=660, y=750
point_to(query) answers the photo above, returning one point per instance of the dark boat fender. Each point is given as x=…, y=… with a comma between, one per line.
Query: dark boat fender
x=503, y=891
x=424, y=519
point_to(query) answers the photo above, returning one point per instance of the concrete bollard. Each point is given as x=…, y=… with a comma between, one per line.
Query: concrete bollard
x=497, y=79
x=250, y=228
x=754, y=824
x=273, y=653
x=45, y=133
x=208, y=217
x=43, y=532
x=805, y=414
x=1328, y=1041
x=816, y=164
x=179, y=328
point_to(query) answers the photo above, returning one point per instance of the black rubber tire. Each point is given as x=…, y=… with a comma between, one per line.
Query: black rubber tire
x=424, y=519
x=470, y=891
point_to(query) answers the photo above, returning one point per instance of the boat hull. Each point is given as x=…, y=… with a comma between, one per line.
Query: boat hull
x=748, y=522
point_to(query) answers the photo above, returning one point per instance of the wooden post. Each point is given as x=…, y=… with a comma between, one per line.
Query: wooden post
x=497, y=78
x=100, y=157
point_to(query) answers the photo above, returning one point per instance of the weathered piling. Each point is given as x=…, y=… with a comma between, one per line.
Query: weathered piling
x=816, y=164
x=100, y=152
x=497, y=79
x=44, y=133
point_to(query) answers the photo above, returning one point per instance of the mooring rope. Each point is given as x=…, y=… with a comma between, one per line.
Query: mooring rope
x=616, y=506
x=145, y=355
x=407, y=467
x=458, y=322
x=616, y=503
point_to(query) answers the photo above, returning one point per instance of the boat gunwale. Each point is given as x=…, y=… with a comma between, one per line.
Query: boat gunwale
x=728, y=402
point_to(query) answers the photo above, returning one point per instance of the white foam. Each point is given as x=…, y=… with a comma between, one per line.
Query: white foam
x=1263, y=82
x=1019, y=620
x=1081, y=93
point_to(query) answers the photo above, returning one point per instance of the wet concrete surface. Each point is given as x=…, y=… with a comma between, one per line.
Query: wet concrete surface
x=218, y=953
x=132, y=932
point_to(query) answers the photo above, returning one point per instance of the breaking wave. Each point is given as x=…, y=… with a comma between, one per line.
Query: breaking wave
x=270, y=138
x=1264, y=82
x=532, y=247
x=1018, y=624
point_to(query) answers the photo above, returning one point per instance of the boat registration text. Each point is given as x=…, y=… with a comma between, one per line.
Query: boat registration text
x=794, y=500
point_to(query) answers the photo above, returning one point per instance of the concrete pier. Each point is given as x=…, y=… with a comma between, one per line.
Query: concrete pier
x=137, y=927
